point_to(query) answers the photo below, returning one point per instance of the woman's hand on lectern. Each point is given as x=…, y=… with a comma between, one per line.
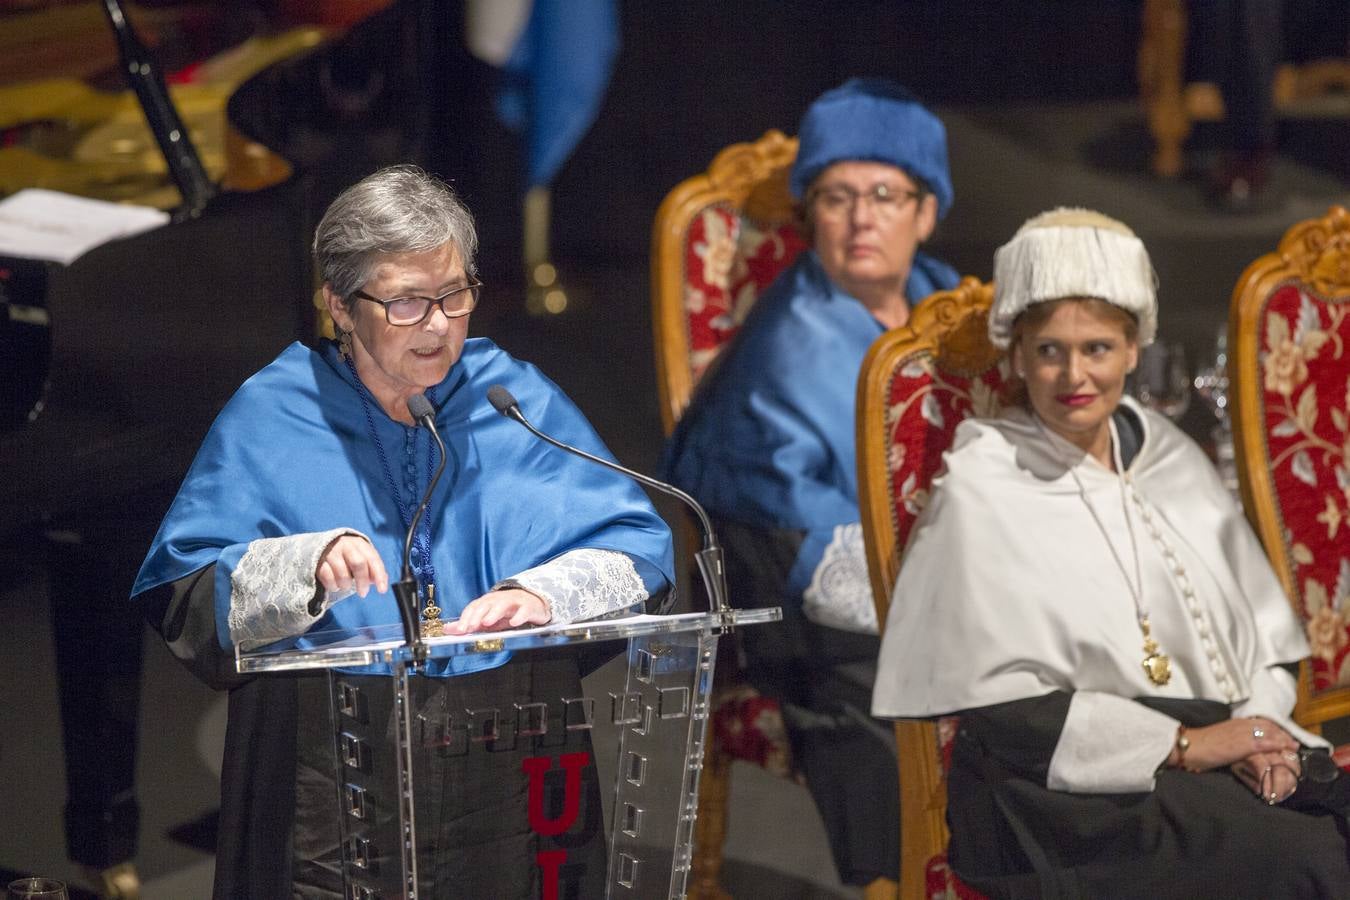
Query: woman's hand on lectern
x=500, y=610
x=351, y=564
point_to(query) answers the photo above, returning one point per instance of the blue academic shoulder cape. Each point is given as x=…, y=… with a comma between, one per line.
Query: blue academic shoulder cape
x=768, y=439
x=291, y=453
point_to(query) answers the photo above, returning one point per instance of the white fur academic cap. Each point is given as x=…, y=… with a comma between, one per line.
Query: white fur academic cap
x=1073, y=253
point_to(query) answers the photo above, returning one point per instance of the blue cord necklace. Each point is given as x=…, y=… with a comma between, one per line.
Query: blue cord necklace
x=426, y=575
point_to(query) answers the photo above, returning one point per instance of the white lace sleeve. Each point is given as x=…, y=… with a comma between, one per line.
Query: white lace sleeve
x=273, y=584
x=840, y=592
x=583, y=584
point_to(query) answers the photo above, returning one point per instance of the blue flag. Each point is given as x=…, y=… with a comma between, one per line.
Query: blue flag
x=555, y=79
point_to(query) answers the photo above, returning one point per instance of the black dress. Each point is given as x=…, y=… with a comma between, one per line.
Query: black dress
x=1195, y=835
x=280, y=825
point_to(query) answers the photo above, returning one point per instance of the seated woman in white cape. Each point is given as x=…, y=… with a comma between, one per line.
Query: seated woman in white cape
x=1086, y=595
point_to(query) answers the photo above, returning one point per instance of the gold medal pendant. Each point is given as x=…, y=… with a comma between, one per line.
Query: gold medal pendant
x=431, y=615
x=1157, y=666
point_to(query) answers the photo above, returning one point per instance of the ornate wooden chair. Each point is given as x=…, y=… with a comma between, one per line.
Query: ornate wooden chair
x=718, y=241
x=918, y=382
x=1289, y=334
x=1172, y=105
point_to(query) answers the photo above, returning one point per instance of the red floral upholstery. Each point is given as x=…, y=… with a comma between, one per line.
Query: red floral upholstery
x=1289, y=365
x=1305, y=367
x=729, y=261
x=941, y=883
x=926, y=405
x=749, y=726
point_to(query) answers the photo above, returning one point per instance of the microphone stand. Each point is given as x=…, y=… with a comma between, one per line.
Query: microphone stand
x=711, y=561
x=405, y=589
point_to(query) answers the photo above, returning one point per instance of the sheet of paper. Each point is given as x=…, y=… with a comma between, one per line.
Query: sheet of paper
x=41, y=224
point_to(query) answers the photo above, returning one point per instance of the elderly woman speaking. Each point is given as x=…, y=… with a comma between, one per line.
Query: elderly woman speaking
x=1086, y=594
x=298, y=503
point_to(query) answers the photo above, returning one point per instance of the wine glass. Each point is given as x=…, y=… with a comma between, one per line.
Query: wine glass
x=1211, y=381
x=37, y=889
x=1162, y=382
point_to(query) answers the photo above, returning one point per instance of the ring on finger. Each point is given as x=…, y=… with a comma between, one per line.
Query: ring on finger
x=1257, y=732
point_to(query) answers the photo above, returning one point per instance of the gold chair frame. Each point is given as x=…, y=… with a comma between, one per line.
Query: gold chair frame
x=751, y=177
x=1315, y=252
x=951, y=326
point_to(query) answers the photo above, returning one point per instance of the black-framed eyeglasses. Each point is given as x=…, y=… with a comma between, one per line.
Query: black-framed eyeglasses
x=839, y=200
x=453, y=303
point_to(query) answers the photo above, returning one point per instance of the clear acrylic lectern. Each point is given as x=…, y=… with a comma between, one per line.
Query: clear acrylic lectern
x=608, y=774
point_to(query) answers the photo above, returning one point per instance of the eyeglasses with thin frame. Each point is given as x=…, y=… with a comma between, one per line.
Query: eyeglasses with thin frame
x=403, y=311
x=839, y=200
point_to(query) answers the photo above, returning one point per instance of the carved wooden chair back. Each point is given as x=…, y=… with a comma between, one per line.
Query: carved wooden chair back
x=1289, y=363
x=917, y=384
x=720, y=238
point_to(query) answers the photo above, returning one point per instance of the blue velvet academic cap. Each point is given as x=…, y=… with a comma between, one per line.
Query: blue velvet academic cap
x=873, y=119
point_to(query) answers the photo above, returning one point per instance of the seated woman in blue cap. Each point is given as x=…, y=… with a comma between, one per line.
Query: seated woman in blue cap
x=767, y=445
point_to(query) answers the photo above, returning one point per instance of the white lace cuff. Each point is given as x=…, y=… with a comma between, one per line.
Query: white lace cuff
x=840, y=592
x=272, y=586
x=583, y=584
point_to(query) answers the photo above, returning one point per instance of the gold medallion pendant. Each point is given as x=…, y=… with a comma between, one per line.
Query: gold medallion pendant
x=1157, y=666
x=431, y=615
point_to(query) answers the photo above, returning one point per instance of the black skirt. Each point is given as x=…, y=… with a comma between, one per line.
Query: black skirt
x=280, y=830
x=1194, y=835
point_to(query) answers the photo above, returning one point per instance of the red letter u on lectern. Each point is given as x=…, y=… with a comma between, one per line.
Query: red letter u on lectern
x=536, y=767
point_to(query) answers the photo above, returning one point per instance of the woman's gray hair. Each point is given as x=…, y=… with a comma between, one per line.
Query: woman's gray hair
x=401, y=209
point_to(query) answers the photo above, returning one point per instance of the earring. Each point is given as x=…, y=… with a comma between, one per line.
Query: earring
x=345, y=343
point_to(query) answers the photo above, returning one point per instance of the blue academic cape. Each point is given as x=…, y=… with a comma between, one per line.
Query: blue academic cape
x=768, y=438
x=291, y=453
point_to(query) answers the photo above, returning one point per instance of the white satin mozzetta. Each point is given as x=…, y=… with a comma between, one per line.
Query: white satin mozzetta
x=1008, y=589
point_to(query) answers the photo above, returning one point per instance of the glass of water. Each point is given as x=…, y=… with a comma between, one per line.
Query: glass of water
x=1162, y=381
x=37, y=889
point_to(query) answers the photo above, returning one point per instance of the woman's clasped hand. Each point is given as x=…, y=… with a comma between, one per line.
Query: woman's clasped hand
x=1259, y=752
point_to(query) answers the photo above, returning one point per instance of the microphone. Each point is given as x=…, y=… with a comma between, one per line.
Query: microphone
x=710, y=559
x=405, y=589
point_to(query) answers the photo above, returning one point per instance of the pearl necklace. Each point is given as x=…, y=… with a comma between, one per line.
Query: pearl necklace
x=1199, y=616
x=1157, y=666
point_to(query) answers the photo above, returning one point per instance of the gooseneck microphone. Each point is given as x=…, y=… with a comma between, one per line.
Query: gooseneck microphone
x=405, y=589
x=710, y=562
